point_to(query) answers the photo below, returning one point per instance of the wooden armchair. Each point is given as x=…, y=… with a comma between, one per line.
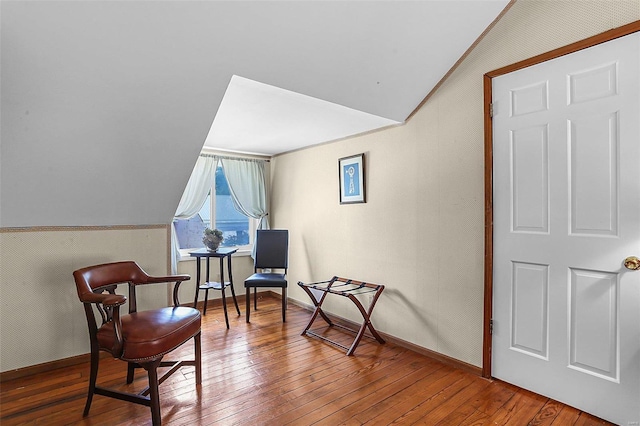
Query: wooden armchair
x=139, y=338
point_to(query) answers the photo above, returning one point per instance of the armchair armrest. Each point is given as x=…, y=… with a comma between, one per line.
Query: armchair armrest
x=109, y=300
x=145, y=278
x=178, y=281
x=108, y=306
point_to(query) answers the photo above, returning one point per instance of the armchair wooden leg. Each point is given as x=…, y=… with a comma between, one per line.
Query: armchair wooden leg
x=154, y=394
x=93, y=375
x=198, y=358
x=131, y=369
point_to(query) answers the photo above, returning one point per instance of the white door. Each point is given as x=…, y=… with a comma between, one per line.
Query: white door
x=566, y=179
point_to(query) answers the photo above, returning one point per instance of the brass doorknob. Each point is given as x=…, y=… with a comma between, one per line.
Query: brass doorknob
x=632, y=262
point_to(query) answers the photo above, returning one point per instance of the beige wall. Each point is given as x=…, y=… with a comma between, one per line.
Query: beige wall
x=41, y=319
x=421, y=232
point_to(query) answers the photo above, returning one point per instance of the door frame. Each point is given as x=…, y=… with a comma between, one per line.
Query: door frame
x=604, y=37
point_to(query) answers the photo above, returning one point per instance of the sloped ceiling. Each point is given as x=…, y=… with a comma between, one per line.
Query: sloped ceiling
x=106, y=104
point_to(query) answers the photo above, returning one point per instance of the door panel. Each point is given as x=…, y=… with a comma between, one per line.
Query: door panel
x=566, y=190
x=530, y=177
x=594, y=174
x=530, y=320
x=593, y=326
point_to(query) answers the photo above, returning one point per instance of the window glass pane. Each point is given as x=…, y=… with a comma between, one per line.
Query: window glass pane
x=233, y=224
x=190, y=231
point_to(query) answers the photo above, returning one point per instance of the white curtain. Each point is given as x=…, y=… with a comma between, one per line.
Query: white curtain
x=197, y=188
x=247, y=185
x=193, y=198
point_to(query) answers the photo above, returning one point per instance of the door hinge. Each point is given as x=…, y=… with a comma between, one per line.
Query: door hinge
x=491, y=326
x=491, y=109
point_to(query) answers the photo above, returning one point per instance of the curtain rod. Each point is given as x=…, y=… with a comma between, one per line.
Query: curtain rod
x=225, y=157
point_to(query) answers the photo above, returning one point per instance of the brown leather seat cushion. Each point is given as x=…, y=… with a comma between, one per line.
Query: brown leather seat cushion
x=156, y=332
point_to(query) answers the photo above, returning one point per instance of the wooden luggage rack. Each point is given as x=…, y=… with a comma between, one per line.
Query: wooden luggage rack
x=350, y=289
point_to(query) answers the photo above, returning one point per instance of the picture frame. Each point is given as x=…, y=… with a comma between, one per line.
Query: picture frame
x=351, y=173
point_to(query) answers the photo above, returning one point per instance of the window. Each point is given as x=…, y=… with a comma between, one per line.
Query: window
x=220, y=211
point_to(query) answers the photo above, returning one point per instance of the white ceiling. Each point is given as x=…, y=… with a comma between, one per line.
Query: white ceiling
x=309, y=72
x=257, y=118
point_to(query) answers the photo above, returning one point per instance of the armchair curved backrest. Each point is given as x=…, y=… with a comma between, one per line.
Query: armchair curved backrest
x=98, y=276
x=92, y=280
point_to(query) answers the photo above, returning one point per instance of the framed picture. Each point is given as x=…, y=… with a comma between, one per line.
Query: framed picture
x=352, y=188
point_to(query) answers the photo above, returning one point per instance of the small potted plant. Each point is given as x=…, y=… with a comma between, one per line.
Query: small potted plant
x=212, y=239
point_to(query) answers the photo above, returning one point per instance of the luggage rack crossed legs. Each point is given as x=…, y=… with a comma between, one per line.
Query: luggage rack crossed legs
x=348, y=288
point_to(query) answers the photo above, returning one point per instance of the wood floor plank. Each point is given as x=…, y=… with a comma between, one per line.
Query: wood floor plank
x=340, y=405
x=477, y=418
x=373, y=399
x=266, y=373
x=322, y=392
x=453, y=404
x=586, y=419
x=494, y=397
x=424, y=407
x=520, y=409
x=566, y=416
x=395, y=405
x=547, y=414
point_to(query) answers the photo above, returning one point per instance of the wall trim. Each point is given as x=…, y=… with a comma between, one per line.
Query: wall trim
x=19, y=373
x=79, y=228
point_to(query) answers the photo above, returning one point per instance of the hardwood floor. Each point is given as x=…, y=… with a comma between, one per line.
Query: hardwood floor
x=265, y=373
